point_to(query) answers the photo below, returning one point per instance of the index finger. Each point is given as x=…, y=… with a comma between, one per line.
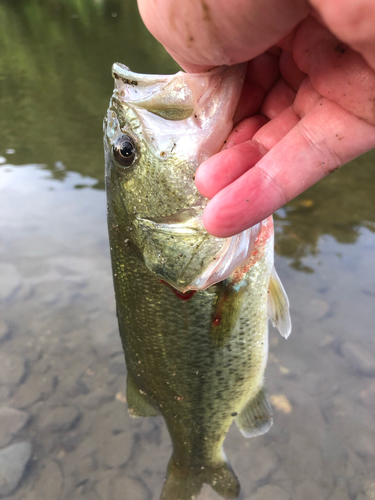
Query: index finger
x=323, y=140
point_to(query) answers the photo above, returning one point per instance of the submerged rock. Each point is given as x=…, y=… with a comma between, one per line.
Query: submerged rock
x=10, y=280
x=340, y=493
x=127, y=487
x=50, y=483
x=308, y=489
x=4, y=394
x=13, y=461
x=270, y=492
x=4, y=330
x=104, y=485
x=359, y=358
x=11, y=422
x=116, y=450
x=12, y=368
x=60, y=419
x=35, y=388
x=97, y=399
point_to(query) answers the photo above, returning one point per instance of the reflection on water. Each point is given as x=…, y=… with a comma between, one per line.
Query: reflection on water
x=339, y=206
x=62, y=374
x=55, y=75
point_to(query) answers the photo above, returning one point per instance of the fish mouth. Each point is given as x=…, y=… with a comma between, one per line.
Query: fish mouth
x=192, y=226
x=186, y=220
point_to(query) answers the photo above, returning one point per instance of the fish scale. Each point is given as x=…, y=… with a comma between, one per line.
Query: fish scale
x=194, y=354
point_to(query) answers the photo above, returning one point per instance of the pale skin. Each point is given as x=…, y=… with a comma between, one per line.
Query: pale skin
x=308, y=103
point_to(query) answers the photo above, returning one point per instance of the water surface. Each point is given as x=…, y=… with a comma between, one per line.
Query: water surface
x=61, y=360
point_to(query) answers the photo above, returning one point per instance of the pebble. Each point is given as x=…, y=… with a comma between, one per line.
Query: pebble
x=71, y=440
x=50, y=483
x=354, y=473
x=10, y=280
x=97, y=398
x=78, y=388
x=359, y=358
x=339, y=493
x=259, y=465
x=363, y=443
x=318, y=308
x=281, y=403
x=11, y=422
x=115, y=416
x=308, y=489
x=12, y=368
x=35, y=388
x=13, y=461
x=60, y=419
x=117, y=364
x=310, y=461
x=80, y=465
x=367, y=395
x=121, y=397
x=370, y=488
x=104, y=485
x=86, y=495
x=4, y=394
x=4, y=330
x=270, y=492
x=127, y=487
x=116, y=450
x=87, y=448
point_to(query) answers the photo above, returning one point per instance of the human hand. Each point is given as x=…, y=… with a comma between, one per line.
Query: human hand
x=308, y=102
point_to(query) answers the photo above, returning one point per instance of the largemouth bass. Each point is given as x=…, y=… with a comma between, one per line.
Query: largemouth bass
x=193, y=309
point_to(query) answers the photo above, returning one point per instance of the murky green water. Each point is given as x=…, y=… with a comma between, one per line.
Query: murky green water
x=61, y=362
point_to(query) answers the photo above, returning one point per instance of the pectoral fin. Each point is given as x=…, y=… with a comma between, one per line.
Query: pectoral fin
x=278, y=306
x=139, y=404
x=256, y=417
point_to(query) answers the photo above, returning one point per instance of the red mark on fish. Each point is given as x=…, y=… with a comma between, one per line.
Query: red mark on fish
x=181, y=295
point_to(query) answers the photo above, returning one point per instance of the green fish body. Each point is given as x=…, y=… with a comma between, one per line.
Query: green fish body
x=193, y=309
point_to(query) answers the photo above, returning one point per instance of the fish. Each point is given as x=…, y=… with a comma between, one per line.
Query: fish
x=192, y=309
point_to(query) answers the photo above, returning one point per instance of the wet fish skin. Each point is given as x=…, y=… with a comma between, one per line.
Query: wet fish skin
x=197, y=357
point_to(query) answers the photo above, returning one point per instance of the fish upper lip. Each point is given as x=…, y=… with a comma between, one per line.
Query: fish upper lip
x=188, y=226
x=189, y=216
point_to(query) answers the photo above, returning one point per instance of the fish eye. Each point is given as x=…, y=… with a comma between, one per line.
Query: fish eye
x=124, y=150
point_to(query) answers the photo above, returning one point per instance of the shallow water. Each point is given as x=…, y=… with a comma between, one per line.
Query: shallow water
x=61, y=360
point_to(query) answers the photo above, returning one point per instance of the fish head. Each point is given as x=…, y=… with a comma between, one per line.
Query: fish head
x=158, y=130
